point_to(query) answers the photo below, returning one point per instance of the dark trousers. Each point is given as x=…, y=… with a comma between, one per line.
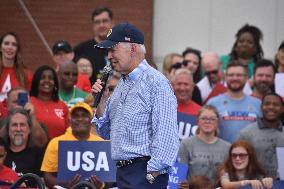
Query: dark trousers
x=134, y=177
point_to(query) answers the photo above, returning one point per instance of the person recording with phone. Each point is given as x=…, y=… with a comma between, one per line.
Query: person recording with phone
x=19, y=98
x=140, y=116
x=25, y=136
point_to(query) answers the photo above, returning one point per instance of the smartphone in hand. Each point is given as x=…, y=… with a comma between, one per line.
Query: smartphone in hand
x=22, y=99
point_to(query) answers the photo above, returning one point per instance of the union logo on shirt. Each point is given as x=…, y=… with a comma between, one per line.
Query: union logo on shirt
x=59, y=113
x=6, y=87
x=239, y=116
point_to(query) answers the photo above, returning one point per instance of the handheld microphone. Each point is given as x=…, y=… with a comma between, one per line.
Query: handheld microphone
x=105, y=74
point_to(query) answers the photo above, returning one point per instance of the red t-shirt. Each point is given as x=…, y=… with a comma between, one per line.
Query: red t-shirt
x=3, y=110
x=8, y=81
x=83, y=83
x=191, y=108
x=53, y=114
x=7, y=174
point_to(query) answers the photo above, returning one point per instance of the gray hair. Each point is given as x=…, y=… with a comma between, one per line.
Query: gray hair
x=127, y=45
x=20, y=111
x=182, y=71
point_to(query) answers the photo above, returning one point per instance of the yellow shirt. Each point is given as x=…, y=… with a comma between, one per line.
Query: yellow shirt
x=50, y=160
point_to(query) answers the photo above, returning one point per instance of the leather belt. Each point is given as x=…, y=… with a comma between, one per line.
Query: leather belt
x=124, y=163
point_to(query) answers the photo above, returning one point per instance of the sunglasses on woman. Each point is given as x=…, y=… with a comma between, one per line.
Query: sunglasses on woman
x=178, y=65
x=240, y=155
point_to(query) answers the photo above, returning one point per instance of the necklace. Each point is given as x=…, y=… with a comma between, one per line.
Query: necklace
x=67, y=100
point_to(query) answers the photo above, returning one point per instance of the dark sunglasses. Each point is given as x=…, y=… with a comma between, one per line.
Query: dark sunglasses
x=240, y=155
x=214, y=72
x=179, y=65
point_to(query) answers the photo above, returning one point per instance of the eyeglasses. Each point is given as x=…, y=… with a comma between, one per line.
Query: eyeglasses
x=179, y=65
x=236, y=75
x=209, y=119
x=214, y=72
x=240, y=155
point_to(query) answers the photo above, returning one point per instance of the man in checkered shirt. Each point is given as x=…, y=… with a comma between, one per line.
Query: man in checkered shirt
x=140, y=116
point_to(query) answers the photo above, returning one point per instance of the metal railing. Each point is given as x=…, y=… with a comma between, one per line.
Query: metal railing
x=28, y=177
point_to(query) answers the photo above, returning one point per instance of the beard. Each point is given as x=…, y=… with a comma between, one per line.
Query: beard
x=263, y=87
x=18, y=139
x=233, y=88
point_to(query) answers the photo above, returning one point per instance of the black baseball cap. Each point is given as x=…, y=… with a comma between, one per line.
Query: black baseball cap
x=124, y=32
x=61, y=46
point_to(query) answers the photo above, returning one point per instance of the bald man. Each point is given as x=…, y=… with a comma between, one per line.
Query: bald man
x=211, y=66
x=68, y=92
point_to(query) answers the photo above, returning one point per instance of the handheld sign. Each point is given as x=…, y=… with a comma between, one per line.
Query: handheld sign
x=276, y=185
x=279, y=85
x=186, y=125
x=85, y=158
x=280, y=160
x=178, y=175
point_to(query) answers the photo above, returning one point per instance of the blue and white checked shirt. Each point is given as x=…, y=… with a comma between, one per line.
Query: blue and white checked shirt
x=141, y=117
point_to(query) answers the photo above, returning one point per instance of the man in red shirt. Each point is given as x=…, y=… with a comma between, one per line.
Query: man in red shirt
x=183, y=86
x=187, y=109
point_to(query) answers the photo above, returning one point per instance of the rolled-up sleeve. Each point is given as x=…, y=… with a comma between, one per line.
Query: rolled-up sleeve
x=102, y=124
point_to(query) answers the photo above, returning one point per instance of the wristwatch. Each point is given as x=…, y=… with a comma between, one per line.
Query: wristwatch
x=151, y=176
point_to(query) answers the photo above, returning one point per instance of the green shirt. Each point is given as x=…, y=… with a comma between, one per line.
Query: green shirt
x=71, y=98
x=225, y=59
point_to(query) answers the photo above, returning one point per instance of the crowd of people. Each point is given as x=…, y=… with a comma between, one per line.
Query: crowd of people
x=232, y=98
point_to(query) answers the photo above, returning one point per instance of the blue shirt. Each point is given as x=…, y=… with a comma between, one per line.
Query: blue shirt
x=141, y=116
x=235, y=114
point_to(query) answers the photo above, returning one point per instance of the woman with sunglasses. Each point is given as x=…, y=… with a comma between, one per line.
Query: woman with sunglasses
x=242, y=168
x=171, y=62
x=205, y=151
x=192, y=61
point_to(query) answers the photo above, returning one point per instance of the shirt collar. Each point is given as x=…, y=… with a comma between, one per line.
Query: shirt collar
x=133, y=76
x=261, y=125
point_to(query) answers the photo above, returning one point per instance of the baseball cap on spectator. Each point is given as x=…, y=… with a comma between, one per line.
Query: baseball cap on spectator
x=281, y=45
x=61, y=46
x=124, y=32
x=82, y=105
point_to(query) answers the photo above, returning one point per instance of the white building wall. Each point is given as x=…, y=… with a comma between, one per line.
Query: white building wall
x=211, y=25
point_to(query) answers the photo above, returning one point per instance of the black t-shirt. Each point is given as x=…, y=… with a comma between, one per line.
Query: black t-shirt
x=27, y=161
x=96, y=56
